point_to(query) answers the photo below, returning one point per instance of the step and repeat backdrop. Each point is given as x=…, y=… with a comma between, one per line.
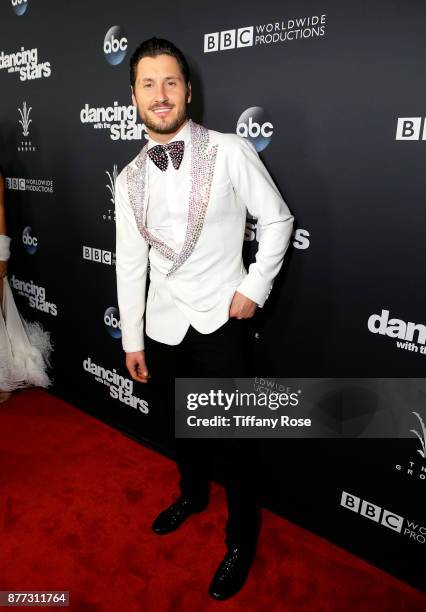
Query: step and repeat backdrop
x=332, y=96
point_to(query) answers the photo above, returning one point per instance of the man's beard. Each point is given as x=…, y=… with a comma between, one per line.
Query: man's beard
x=166, y=128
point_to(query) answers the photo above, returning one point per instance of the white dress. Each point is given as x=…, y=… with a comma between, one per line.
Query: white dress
x=25, y=348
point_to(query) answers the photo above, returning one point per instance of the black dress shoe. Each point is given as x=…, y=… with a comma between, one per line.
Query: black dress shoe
x=172, y=517
x=231, y=573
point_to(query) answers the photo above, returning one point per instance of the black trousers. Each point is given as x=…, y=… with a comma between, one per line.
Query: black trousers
x=222, y=353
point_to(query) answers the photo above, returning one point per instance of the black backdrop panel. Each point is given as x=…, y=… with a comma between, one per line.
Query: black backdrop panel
x=329, y=84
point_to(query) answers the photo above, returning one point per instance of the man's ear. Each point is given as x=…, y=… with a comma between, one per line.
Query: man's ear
x=133, y=96
x=189, y=93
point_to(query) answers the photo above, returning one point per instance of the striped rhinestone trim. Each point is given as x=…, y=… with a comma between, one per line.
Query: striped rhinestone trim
x=136, y=180
x=202, y=168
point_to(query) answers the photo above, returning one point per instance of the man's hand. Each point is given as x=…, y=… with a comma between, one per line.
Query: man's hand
x=242, y=307
x=135, y=363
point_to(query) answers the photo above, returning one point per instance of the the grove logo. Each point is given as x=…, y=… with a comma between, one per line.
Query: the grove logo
x=421, y=437
x=25, y=118
x=112, y=322
x=254, y=124
x=25, y=121
x=415, y=470
x=115, y=45
x=19, y=6
x=30, y=242
x=109, y=215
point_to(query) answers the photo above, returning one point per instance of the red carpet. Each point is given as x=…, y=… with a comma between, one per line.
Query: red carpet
x=76, y=505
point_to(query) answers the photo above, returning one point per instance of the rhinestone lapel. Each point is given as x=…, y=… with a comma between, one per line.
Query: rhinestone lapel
x=203, y=160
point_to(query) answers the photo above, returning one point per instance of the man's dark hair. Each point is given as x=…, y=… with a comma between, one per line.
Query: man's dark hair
x=157, y=46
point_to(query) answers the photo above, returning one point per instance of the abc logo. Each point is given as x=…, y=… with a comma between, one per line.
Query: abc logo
x=30, y=242
x=19, y=6
x=115, y=45
x=255, y=125
x=112, y=322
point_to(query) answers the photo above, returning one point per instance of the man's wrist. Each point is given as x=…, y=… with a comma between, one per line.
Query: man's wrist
x=4, y=247
x=254, y=290
x=133, y=348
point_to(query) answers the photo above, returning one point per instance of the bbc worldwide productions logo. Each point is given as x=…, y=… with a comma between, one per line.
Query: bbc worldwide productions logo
x=411, y=128
x=98, y=255
x=228, y=39
x=19, y=6
x=385, y=518
x=115, y=45
x=278, y=31
x=29, y=184
x=371, y=511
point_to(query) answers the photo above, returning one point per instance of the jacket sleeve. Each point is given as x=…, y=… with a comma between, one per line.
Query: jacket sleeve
x=256, y=189
x=131, y=269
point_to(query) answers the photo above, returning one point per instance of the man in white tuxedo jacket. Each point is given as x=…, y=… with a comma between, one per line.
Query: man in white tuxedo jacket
x=181, y=208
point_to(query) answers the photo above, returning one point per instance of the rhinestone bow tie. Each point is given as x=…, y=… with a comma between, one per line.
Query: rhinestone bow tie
x=158, y=154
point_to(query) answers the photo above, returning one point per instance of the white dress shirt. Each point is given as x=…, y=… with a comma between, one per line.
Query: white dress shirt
x=167, y=206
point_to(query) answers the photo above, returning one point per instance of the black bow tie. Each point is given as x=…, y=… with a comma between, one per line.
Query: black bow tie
x=158, y=154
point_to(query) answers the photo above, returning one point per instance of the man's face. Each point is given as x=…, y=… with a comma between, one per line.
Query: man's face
x=161, y=94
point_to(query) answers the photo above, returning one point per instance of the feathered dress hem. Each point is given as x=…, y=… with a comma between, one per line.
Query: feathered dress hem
x=25, y=348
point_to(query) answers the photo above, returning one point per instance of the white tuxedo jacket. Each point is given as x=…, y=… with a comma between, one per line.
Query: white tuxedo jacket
x=196, y=285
